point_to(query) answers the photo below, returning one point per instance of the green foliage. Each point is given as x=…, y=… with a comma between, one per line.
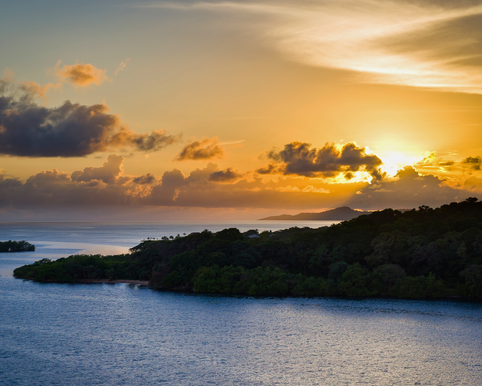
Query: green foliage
x=358, y=281
x=390, y=274
x=473, y=280
x=419, y=287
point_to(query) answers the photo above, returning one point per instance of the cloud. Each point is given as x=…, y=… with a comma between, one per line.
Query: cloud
x=433, y=163
x=28, y=90
x=7, y=182
x=473, y=162
x=168, y=190
x=70, y=130
x=409, y=190
x=430, y=43
x=204, y=149
x=146, y=179
x=473, y=184
x=80, y=74
x=228, y=175
x=300, y=159
x=35, y=88
x=107, y=186
x=107, y=173
x=248, y=191
x=121, y=67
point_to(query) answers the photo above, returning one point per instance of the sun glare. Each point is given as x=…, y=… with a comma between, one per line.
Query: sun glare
x=393, y=162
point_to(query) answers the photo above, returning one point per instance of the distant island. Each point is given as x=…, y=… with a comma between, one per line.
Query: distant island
x=341, y=213
x=418, y=253
x=16, y=246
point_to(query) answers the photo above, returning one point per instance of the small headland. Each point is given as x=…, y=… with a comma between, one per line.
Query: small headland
x=16, y=246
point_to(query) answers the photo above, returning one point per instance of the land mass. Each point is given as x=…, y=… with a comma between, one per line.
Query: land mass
x=16, y=246
x=418, y=253
x=341, y=213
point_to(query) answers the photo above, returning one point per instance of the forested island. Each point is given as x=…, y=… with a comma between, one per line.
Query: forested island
x=16, y=246
x=341, y=213
x=420, y=253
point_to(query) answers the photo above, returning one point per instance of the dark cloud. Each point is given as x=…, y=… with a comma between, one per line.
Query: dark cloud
x=228, y=175
x=146, y=179
x=269, y=169
x=204, y=149
x=300, y=159
x=473, y=162
x=70, y=130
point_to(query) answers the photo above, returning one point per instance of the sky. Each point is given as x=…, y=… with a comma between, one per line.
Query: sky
x=203, y=110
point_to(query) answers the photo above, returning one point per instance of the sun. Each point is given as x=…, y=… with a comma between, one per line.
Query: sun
x=393, y=162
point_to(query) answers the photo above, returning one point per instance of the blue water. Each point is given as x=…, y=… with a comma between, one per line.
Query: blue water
x=101, y=334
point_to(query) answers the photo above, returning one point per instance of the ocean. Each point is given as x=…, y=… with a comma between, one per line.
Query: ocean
x=120, y=334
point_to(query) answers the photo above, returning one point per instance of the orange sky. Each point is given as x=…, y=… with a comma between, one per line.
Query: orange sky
x=238, y=108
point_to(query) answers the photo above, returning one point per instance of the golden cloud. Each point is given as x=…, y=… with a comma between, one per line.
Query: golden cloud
x=80, y=74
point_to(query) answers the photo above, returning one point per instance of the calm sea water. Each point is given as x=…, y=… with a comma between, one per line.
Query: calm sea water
x=100, y=334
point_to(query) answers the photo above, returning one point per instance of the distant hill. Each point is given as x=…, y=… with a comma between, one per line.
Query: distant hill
x=342, y=213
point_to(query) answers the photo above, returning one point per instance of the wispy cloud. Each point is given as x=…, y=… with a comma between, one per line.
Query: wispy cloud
x=121, y=67
x=433, y=44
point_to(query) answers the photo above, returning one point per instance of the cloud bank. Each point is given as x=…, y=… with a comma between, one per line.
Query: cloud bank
x=107, y=186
